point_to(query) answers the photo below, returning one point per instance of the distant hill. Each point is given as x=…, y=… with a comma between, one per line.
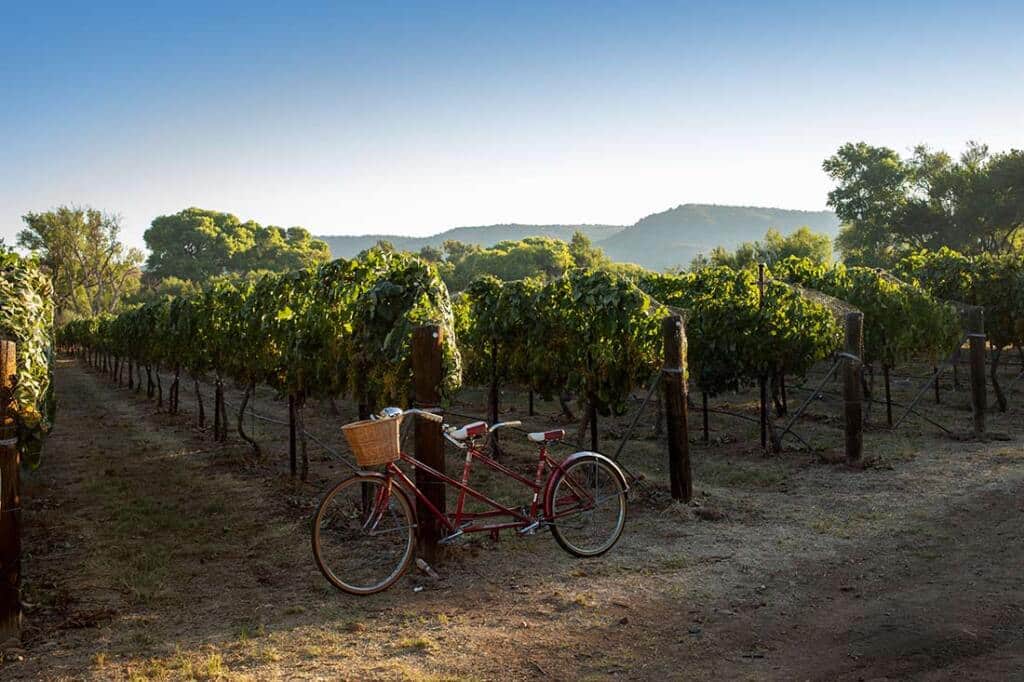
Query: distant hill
x=673, y=237
x=345, y=246
x=661, y=240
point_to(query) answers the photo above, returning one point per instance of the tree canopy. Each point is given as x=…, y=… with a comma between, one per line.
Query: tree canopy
x=92, y=271
x=196, y=244
x=545, y=257
x=776, y=247
x=892, y=206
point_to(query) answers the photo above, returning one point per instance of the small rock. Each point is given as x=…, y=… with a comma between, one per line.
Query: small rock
x=624, y=620
x=695, y=630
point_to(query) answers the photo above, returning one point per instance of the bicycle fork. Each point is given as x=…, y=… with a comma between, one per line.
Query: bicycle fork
x=380, y=505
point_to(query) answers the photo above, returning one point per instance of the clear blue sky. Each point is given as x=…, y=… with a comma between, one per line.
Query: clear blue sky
x=409, y=118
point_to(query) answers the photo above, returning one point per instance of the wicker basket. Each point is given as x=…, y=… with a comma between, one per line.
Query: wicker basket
x=374, y=441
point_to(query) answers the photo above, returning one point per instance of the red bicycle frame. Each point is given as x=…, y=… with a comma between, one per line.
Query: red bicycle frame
x=462, y=521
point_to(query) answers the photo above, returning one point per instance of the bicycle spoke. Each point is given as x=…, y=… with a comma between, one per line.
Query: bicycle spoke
x=588, y=507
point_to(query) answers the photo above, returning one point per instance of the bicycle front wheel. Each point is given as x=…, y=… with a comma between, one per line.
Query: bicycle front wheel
x=364, y=534
x=588, y=506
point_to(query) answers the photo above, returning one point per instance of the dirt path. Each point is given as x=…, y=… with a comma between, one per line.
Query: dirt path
x=152, y=553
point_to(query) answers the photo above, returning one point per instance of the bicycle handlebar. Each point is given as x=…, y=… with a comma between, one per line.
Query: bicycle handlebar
x=398, y=412
x=502, y=425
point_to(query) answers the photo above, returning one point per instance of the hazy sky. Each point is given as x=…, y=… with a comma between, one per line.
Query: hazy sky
x=414, y=117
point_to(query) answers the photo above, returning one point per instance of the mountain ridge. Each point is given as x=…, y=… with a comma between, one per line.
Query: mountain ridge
x=665, y=239
x=347, y=246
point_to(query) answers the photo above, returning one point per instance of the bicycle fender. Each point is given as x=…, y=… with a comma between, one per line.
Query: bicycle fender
x=396, y=484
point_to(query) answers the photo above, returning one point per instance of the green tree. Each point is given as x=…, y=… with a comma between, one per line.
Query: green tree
x=431, y=254
x=196, y=244
x=776, y=247
x=509, y=260
x=584, y=253
x=892, y=206
x=92, y=271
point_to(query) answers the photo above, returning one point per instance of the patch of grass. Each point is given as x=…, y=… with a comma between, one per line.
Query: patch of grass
x=584, y=600
x=353, y=626
x=673, y=563
x=901, y=450
x=250, y=631
x=736, y=473
x=141, y=639
x=99, y=659
x=848, y=527
x=419, y=643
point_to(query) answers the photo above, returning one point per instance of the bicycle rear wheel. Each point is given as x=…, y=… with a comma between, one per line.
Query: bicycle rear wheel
x=364, y=534
x=588, y=506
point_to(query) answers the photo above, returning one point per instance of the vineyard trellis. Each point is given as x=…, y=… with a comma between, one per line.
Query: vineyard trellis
x=343, y=329
x=27, y=409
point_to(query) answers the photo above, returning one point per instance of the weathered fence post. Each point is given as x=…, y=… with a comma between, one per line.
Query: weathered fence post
x=977, y=341
x=10, y=504
x=706, y=422
x=292, y=459
x=429, y=442
x=852, y=388
x=762, y=380
x=674, y=370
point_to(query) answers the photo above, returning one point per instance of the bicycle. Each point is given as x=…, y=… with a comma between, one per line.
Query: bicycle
x=364, y=531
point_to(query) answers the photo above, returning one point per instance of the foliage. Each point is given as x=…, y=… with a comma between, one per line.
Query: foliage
x=607, y=332
x=197, y=244
x=893, y=206
x=732, y=338
x=589, y=331
x=90, y=268
x=900, y=320
x=993, y=281
x=342, y=327
x=585, y=254
x=776, y=247
x=26, y=317
x=533, y=256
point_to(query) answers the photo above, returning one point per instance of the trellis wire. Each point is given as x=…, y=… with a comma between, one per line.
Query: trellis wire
x=931, y=380
x=334, y=453
x=807, y=401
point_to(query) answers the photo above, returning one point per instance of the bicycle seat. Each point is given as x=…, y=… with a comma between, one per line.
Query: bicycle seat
x=551, y=436
x=471, y=430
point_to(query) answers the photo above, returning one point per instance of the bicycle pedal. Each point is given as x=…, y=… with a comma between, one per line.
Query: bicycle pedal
x=447, y=539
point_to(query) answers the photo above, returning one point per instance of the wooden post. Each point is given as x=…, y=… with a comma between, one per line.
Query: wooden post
x=680, y=476
x=429, y=442
x=977, y=341
x=706, y=423
x=292, y=458
x=10, y=504
x=762, y=381
x=492, y=392
x=888, y=395
x=852, y=389
x=595, y=444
